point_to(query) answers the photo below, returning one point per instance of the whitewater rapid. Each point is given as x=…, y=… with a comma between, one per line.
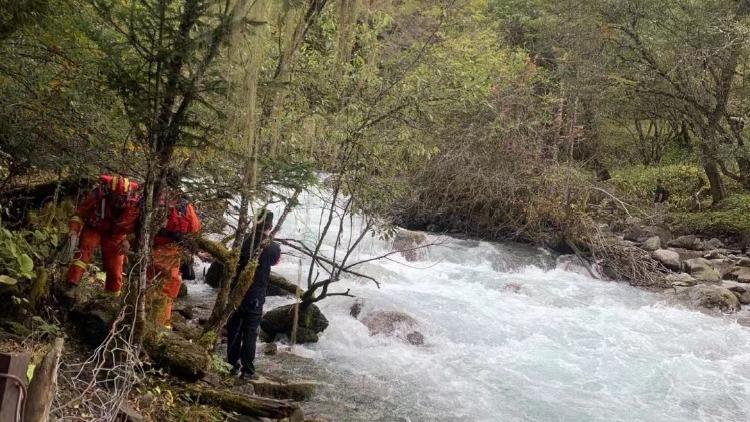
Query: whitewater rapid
x=510, y=338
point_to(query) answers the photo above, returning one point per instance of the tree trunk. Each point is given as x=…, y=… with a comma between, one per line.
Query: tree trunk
x=42, y=387
x=744, y=169
x=718, y=193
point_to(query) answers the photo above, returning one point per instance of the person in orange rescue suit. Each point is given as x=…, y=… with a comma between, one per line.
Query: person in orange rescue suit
x=167, y=250
x=106, y=218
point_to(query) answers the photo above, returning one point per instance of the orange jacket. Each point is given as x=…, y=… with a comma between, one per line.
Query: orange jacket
x=102, y=212
x=181, y=220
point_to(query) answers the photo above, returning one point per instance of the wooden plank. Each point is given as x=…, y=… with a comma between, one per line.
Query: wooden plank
x=14, y=364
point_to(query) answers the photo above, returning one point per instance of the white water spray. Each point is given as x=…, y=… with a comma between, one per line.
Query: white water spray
x=509, y=339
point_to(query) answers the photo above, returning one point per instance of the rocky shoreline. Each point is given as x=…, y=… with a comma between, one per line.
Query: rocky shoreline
x=705, y=273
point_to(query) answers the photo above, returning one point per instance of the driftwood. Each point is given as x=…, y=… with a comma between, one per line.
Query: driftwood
x=42, y=386
x=245, y=404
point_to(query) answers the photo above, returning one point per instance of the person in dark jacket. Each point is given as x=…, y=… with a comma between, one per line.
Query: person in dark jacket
x=661, y=194
x=242, y=327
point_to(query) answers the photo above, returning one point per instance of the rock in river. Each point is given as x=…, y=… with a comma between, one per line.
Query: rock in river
x=652, y=243
x=691, y=242
x=278, y=321
x=702, y=270
x=396, y=324
x=668, y=258
x=712, y=297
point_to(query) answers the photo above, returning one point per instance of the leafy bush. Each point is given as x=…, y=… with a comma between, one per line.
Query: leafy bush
x=21, y=249
x=219, y=365
x=681, y=180
x=15, y=257
x=732, y=216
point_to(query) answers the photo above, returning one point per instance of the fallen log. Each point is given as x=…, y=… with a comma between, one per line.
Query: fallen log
x=245, y=404
x=42, y=387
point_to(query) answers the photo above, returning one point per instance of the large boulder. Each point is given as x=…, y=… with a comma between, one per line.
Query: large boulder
x=634, y=233
x=282, y=390
x=661, y=232
x=691, y=242
x=92, y=313
x=670, y=259
x=744, y=298
x=742, y=291
x=723, y=266
x=406, y=241
x=652, y=243
x=715, y=254
x=741, y=274
x=92, y=323
x=280, y=321
x=712, y=297
x=713, y=243
x=177, y=354
x=702, y=270
x=681, y=280
x=214, y=274
x=394, y=324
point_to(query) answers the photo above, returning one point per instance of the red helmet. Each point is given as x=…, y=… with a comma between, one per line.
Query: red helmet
x=118, y=184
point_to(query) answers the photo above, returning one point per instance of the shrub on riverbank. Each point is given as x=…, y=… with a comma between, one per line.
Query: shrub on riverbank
x=731, y=217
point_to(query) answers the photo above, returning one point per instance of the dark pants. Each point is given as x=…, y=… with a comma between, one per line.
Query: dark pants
x=242, y=333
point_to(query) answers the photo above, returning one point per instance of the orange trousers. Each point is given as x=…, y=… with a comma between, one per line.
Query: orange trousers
x=113, y=260
x=165, y=267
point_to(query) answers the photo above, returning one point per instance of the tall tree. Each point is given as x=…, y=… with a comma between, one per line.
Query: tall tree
x=685, y=55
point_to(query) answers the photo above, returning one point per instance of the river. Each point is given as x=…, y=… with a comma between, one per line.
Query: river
x=510, y=338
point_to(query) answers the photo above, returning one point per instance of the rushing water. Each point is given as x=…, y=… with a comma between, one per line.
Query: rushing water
x=510, y=338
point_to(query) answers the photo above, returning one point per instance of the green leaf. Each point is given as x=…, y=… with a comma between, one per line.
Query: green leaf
x=30, y=371
x=7, y=280
x=25, y=264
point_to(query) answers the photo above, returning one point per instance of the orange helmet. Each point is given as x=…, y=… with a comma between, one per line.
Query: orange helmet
x=118, y=184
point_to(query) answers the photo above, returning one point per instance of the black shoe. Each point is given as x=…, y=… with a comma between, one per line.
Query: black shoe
x=66, y=292
x=234, y=371
x=248, y=376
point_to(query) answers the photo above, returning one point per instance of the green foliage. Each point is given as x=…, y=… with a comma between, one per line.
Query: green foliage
x=730, y=218
x=22, y=258
x=219, y=365
x=14, y=14
x=46, y=330
x=56, y=114
x=682, y=181
x=15, y=255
